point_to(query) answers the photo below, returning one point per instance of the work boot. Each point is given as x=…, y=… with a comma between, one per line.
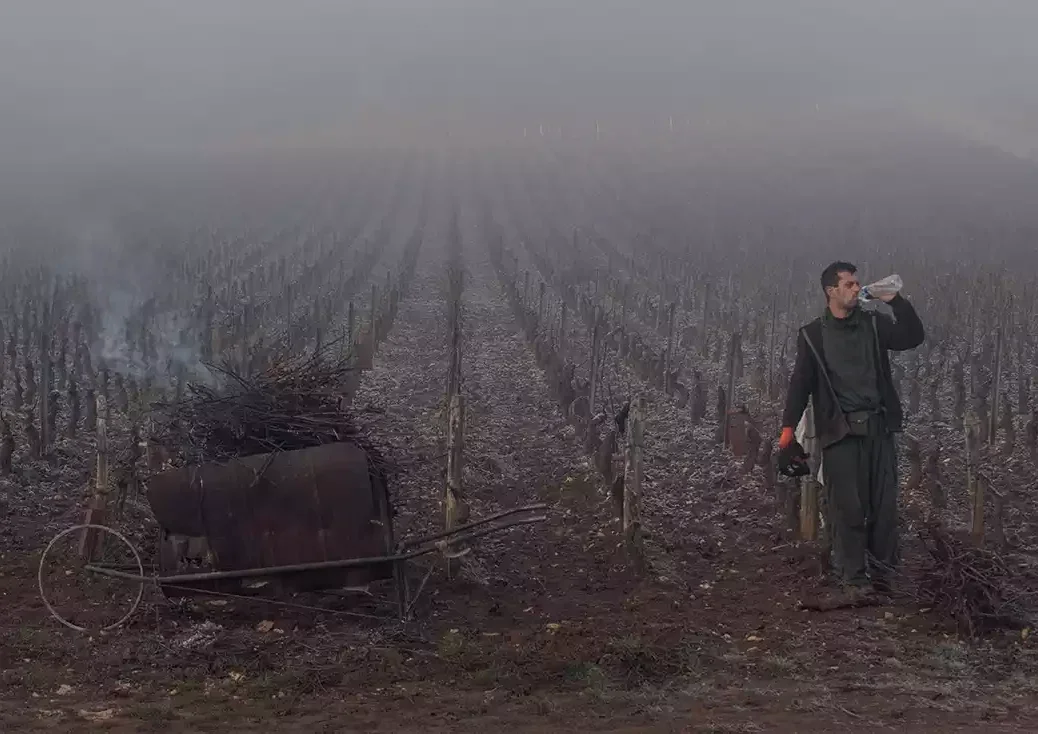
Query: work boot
x=882, y=587
x=845, y=597
x=855, y=595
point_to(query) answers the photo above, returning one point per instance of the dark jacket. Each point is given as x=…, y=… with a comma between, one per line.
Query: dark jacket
x=810, y=378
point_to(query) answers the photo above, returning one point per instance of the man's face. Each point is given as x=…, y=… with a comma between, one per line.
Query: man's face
x=845, y=294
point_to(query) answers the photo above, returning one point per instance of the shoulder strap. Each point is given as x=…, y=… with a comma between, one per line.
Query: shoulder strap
x=821, y=364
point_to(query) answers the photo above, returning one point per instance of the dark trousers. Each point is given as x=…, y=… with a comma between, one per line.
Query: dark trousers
x=860, y=474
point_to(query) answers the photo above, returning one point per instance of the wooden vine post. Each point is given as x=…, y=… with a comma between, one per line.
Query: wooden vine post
x=455, y=509
x=454, y=326
x=975, y=484
x=351, y=331
x=704, y=335
x=43, y=396
x=596, y=343
x=562, y=331
x=732, y=367
x=95, y=514
x=771, y=350
x=809, y=484
x=623, y=307
x=980, y=488
x=372, y=334
x=632, y=524
x=669, y=359
x=996, y=388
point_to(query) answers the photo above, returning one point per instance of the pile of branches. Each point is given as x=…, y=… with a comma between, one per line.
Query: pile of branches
x=296, y=402
x=978, y=588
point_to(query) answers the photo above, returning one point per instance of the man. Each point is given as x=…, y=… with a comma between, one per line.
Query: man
x=843, y=365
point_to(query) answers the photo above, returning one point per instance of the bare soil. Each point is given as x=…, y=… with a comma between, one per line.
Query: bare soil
x=545, y=629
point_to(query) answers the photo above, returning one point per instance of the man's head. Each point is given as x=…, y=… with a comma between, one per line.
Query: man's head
x=841, y=286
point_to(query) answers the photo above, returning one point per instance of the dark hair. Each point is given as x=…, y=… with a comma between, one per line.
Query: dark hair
x=831, y=275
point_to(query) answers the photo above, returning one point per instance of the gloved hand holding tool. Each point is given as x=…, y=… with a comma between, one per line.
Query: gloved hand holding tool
x=792, y=459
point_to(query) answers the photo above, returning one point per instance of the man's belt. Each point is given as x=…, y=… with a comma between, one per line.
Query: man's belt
x=865, y=422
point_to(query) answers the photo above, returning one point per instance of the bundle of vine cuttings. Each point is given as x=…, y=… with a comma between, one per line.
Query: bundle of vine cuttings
x=979, y=589
x=293, y=403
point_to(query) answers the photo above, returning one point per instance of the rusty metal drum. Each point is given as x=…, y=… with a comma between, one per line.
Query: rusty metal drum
x=325, y=503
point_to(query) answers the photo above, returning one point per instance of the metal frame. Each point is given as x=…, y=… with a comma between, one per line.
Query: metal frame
x=418, y=547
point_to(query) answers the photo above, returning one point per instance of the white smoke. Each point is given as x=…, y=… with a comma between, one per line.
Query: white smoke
x=124, y=273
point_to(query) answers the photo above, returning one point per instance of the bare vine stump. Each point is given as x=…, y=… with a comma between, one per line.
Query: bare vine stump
x=980, y=488
x=998, y=510
x=1023, y=386
x=699, y=401
x=915, y=395
x=74, y=409
x=580, y=412
x=156, y=457
x=365, y=351
x=735, y=433
x=604, y=457
x=1008, y=430
x=958, y=393
x=91, y=403
x=32, y=437
x=768, y=465
x=722, y=410
x=616, y=493
x=934, y=398
x=122, y=398
x=133, y=393
x=718, y=351
x=591, y=439
x=753, y=443
x=935, y=491
x=6, y=446
x=981, y=411
x=914, y=455
x=932, y=479
x=52, y=413
x=1031, y=437
x=31, y=387
x=681, y=395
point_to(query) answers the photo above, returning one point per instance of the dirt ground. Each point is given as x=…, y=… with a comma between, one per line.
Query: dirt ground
x=546, y=629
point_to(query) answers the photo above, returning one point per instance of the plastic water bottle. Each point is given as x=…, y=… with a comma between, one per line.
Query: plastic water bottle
x=886, y=287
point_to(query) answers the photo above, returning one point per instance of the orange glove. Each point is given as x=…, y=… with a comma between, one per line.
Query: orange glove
x=786, y=438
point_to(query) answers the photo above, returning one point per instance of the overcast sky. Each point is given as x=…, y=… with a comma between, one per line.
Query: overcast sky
x=88, y=80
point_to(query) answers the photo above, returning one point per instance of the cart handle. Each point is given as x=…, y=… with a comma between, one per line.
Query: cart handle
x=514, y=511
x=300, y=567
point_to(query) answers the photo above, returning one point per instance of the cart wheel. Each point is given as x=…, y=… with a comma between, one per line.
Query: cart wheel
x=84, y=599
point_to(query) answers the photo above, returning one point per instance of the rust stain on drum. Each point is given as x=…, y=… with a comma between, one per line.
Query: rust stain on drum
x=310, y=505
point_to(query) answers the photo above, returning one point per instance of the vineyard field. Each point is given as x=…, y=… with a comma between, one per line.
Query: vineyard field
x=606, y=330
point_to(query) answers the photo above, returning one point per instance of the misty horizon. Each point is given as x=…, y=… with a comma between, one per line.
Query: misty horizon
x=85, y=84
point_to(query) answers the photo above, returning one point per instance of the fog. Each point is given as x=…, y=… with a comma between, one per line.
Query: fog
x=88, y=84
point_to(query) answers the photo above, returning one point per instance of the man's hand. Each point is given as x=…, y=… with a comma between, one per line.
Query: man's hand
x=792, y=459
